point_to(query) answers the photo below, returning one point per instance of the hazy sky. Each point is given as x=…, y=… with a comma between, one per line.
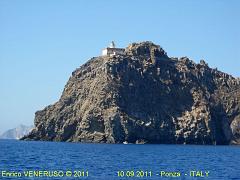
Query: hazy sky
x=42, y=42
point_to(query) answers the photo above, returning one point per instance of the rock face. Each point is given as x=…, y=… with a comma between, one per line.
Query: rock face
x=144, y=96
x=16, y=133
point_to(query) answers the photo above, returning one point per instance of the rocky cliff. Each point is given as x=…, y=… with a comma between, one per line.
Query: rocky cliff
x=144, y=96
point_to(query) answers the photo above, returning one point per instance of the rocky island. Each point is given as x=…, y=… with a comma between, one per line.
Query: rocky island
x=141, y=95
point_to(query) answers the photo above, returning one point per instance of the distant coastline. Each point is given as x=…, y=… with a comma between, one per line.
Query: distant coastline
x=16, y=133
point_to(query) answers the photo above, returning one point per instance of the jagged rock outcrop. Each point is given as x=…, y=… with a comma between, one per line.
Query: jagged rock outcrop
x=144, y=97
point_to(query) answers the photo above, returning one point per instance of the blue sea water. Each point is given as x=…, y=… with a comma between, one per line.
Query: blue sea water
x=116, y=161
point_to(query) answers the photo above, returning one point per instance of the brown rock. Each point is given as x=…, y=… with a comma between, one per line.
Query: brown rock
x=144, y=97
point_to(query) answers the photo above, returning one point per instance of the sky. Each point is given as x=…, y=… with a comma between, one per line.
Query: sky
x=42, y=42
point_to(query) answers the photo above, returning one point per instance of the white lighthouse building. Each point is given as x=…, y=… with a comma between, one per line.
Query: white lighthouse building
x=112, y=50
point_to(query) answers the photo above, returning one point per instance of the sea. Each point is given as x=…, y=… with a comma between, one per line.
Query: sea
x=63, y=160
